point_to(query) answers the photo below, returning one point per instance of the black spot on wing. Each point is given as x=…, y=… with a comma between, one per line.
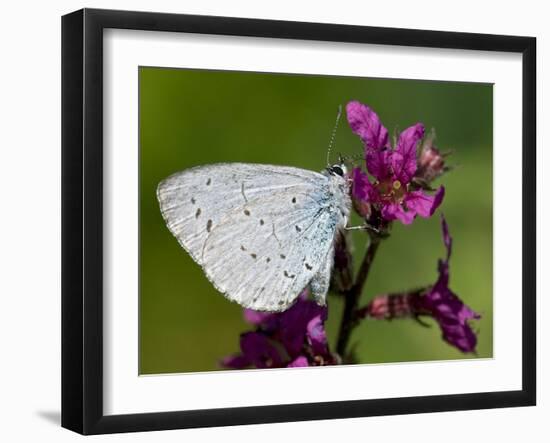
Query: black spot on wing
x=288, y=275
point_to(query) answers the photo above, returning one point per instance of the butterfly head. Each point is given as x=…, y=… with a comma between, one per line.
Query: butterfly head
x=339, y=169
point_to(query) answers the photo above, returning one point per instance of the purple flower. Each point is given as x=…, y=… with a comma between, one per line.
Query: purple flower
x=445, y=306
x=295, y=337
x=298, y=362
x=257, y=350
x=392, y=189
x=437, y=301
x=293, y=324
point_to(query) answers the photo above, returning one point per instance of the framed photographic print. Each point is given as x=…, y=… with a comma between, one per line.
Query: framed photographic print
x=271, y=221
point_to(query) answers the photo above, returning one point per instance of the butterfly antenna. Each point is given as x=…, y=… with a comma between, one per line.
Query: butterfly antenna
x=333, y=135
x=352, y=158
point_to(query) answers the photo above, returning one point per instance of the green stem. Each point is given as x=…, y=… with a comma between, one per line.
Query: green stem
x=353, y=295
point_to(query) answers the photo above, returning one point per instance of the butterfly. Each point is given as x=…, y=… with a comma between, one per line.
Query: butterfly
x=261, y=233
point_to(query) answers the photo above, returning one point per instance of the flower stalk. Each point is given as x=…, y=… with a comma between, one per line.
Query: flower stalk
x=352, y=296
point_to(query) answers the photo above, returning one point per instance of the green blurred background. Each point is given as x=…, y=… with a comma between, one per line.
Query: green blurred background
x=194, y=117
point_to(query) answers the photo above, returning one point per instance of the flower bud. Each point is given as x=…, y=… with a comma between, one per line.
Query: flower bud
x=431, y=162
x=342, y=276
x=389, y=307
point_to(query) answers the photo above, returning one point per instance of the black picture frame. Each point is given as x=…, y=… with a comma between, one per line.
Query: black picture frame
x=82, y=220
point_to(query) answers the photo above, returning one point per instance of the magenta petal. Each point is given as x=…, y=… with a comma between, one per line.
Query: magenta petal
x=317, y=335
x=256, y=318
x=379, y=162
x=260, y=351
x=420, y=203
x=466, y=313
x=405, y=217
x=453, y=316
x=459, y=335
x=403, y=159
x=293, y=324
x=394, y=211
x=447, y=239
x=366, y=124
x=303, y=295
x=362, y=188
x=237, y=361
x=438, y=198
x=424, y=204
x=299, y=362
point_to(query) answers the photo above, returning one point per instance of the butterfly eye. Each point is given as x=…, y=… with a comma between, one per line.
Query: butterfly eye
x=337, y=170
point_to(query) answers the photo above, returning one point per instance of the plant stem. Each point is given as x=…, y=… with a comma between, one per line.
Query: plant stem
x=352, y=296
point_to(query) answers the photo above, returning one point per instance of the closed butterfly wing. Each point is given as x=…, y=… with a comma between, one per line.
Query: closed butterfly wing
x=261, y=233
x=194, y=200
x=263, y=255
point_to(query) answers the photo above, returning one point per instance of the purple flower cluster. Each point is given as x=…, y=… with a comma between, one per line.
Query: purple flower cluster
x=437, y=301
x=391, y=191
x=293, y=338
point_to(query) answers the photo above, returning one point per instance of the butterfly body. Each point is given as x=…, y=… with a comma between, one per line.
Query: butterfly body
x=261, y=233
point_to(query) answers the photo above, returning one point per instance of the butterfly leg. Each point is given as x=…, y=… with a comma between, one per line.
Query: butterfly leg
x=365, y=227
x=321, y=280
